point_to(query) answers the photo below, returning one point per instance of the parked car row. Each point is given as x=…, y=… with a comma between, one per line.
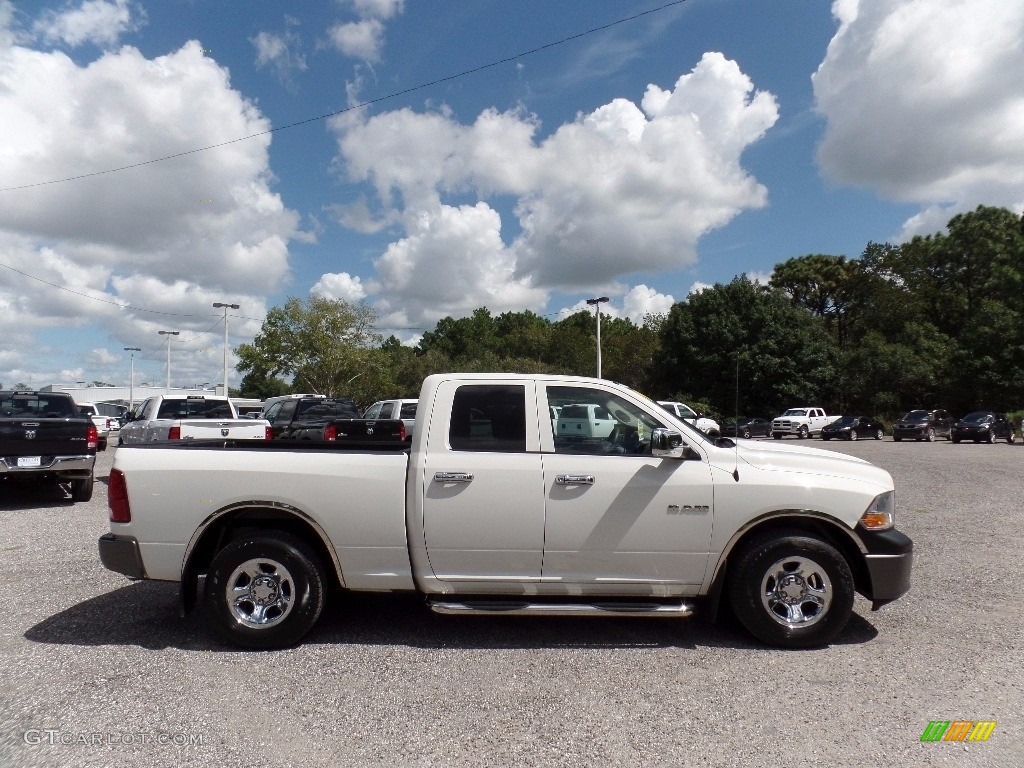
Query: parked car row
x=919, y=425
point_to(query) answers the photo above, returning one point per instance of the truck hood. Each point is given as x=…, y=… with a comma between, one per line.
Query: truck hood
x=801, y=459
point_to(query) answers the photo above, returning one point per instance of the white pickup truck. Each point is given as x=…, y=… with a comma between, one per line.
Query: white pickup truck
x=490, y=510
x=189, y=417
x=105, y=425
x=802, y=422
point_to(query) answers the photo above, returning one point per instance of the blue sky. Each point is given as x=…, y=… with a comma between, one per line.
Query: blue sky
x=696, y=142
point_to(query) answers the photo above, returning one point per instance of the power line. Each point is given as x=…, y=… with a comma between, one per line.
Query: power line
x=367, y=103
x=121, y=305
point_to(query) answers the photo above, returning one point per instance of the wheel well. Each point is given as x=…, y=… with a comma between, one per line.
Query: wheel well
x=241, y=522
x=786, y=524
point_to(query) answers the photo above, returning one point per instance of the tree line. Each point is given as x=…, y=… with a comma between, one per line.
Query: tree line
x=934, y=322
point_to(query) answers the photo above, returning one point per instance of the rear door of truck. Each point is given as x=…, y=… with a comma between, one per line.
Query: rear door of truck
x=483, y=500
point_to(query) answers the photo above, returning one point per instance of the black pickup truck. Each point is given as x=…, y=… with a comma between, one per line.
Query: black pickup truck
x=329, y=418
x=43, y=437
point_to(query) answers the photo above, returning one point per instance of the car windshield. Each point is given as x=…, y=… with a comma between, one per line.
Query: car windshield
x=684, y=411
x=978, y=417
x=329, y=409
x=194, y=408
x=796, y=412
x=847, y=421
x=917, y=416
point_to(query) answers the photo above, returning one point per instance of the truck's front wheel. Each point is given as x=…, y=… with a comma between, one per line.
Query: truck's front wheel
x=791, y=589
x=265, y=590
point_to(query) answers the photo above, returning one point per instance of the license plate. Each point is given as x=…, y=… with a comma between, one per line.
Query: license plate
x=30, y=461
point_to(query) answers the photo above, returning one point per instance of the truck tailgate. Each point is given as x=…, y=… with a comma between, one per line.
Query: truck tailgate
x=42, y=437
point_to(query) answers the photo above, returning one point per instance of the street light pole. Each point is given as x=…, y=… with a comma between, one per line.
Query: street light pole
x=131, y=381
x=597, y=305
x=225, y=307
x=169, y=333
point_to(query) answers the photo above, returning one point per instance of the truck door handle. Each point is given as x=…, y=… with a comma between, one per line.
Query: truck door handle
x=574, y=479
x=454, y=477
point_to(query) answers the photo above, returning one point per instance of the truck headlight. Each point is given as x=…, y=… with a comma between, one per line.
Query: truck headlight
x=881, y=512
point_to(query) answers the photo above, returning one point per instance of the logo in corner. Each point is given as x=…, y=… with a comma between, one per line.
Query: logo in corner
x=958, y=730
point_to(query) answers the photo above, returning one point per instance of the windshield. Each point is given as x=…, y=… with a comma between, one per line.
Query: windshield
x=847, y=421
x=198, y=408
x=328, y=409
x=978, y=417
x=796, y=412
x=917, y=416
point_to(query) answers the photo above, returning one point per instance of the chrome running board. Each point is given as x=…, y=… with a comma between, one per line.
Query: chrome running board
x=523, y=608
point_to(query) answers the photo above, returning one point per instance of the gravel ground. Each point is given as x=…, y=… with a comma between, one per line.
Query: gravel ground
x=98, y=671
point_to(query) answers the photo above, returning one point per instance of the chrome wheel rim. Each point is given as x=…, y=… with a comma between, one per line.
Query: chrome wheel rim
x=260, y=593
x=796, y=592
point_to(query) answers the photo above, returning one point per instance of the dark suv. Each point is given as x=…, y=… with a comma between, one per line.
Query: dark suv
x=984, y=425
x=923, y=425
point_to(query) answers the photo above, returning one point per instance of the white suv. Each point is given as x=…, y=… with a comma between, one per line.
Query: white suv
x=685, y=412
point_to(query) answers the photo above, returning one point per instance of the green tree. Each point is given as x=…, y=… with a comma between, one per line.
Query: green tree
x=779, y=354
x=323, y=344
x=262, y=386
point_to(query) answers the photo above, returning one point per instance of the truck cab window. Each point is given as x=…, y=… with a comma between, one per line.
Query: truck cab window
x=488, y=418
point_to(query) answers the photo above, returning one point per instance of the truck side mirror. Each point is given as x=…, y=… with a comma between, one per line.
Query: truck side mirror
x=668, y=444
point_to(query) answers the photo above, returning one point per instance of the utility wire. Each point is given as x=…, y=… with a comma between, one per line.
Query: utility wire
x=367, y=103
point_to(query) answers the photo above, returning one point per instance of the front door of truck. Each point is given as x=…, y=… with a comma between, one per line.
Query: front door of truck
x=483, y=501
x=617, y=517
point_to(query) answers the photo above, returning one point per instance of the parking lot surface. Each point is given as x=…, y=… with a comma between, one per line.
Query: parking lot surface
x=99, y=671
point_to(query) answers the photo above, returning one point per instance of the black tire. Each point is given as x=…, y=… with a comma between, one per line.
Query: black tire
x=930, y=437
x=854, y=435
x=746, y=434
x=291, y=581
x=1012, y=438
x=777, y=435
x=991, y=436
x=826, y=437
x=803, y=433
x=813, y=567
x=879, y=434
x=896, y=439
x=102, y=446
x=81, y=490
x=956, y=440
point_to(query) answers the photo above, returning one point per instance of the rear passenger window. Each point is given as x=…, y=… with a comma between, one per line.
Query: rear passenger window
x=488, y=418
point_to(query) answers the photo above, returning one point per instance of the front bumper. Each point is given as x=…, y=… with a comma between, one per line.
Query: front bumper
x=121, y=554
x=888, y=560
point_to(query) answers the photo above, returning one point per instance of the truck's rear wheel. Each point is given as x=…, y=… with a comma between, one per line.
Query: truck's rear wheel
x=265, y=590
x=791, y=589
x=81, y=490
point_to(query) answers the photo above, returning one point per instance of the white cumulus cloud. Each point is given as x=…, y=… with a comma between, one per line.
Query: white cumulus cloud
x=281, y=52
x=924, y=103
x=101, y=22
x=624, y=189
x=339, y=285
x=171, y=236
